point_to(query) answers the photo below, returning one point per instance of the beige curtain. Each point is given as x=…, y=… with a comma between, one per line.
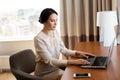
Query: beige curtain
x=78, y=20
x=118, y=30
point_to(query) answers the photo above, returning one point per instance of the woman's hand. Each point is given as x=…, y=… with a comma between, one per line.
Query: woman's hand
x=83, y=54
x=78, y=62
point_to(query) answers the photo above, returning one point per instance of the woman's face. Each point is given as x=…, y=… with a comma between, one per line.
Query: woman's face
x=51, y=23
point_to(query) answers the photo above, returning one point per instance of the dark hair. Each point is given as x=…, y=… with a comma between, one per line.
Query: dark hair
x=45, y=14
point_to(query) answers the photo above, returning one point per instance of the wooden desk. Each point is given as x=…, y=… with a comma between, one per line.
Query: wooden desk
x=111, y=73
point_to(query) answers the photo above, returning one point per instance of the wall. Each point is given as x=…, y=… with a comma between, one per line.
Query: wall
x=10, y=47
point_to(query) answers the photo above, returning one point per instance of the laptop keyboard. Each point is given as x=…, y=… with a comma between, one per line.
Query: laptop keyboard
x=96, y=61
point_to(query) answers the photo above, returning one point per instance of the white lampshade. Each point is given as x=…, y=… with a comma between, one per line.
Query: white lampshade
x=98, y=19
x=107, y=20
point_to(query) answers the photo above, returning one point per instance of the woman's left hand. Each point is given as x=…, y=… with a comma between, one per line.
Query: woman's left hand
x=84, y=54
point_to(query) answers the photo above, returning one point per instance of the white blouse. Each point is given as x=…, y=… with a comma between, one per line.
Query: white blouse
x=48, y=50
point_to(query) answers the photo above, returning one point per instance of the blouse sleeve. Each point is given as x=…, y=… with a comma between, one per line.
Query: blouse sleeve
x=65, y=51
x=44, y=55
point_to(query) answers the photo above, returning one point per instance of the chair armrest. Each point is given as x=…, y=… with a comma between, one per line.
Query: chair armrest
x=20, y=75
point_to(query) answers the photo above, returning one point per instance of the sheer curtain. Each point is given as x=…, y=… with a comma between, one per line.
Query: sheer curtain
x=78, y=20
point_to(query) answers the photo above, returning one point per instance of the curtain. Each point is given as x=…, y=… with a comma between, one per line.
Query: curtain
x=118, y=30
x=78, y=20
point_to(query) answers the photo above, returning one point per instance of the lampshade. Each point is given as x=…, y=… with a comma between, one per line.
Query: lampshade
x=107, y=20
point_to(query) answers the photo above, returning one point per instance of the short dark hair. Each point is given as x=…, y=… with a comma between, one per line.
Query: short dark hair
x=45, y=14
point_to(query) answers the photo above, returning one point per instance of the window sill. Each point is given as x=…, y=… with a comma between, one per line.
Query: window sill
x=17, y=38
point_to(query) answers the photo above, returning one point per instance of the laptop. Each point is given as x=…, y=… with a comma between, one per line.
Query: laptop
x=100, y=61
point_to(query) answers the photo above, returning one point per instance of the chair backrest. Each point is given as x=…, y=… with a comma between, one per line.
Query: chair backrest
x=22, y=64
x=23, y=60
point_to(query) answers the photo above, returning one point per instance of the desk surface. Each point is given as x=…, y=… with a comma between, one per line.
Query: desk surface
x=112, y=72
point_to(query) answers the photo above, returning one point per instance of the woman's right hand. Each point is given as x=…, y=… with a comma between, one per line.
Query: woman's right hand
x=78, y=62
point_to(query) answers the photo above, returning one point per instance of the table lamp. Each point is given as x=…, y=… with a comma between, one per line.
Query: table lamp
x=107, y=20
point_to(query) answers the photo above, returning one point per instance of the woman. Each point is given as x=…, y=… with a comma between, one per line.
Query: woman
x=49, y=45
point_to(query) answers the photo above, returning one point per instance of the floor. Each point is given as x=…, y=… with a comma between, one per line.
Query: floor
x=6, y=76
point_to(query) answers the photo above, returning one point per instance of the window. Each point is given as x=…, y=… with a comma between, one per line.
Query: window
x=19, y=18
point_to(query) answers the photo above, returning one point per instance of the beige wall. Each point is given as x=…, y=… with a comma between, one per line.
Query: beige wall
x=10, y=47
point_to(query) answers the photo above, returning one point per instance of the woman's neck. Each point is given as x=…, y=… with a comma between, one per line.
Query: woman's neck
x=48, y=32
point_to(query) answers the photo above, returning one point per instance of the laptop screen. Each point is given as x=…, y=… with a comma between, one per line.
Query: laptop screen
x=110, y=52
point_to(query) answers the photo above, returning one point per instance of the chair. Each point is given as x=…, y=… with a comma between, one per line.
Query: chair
x=22, y=64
